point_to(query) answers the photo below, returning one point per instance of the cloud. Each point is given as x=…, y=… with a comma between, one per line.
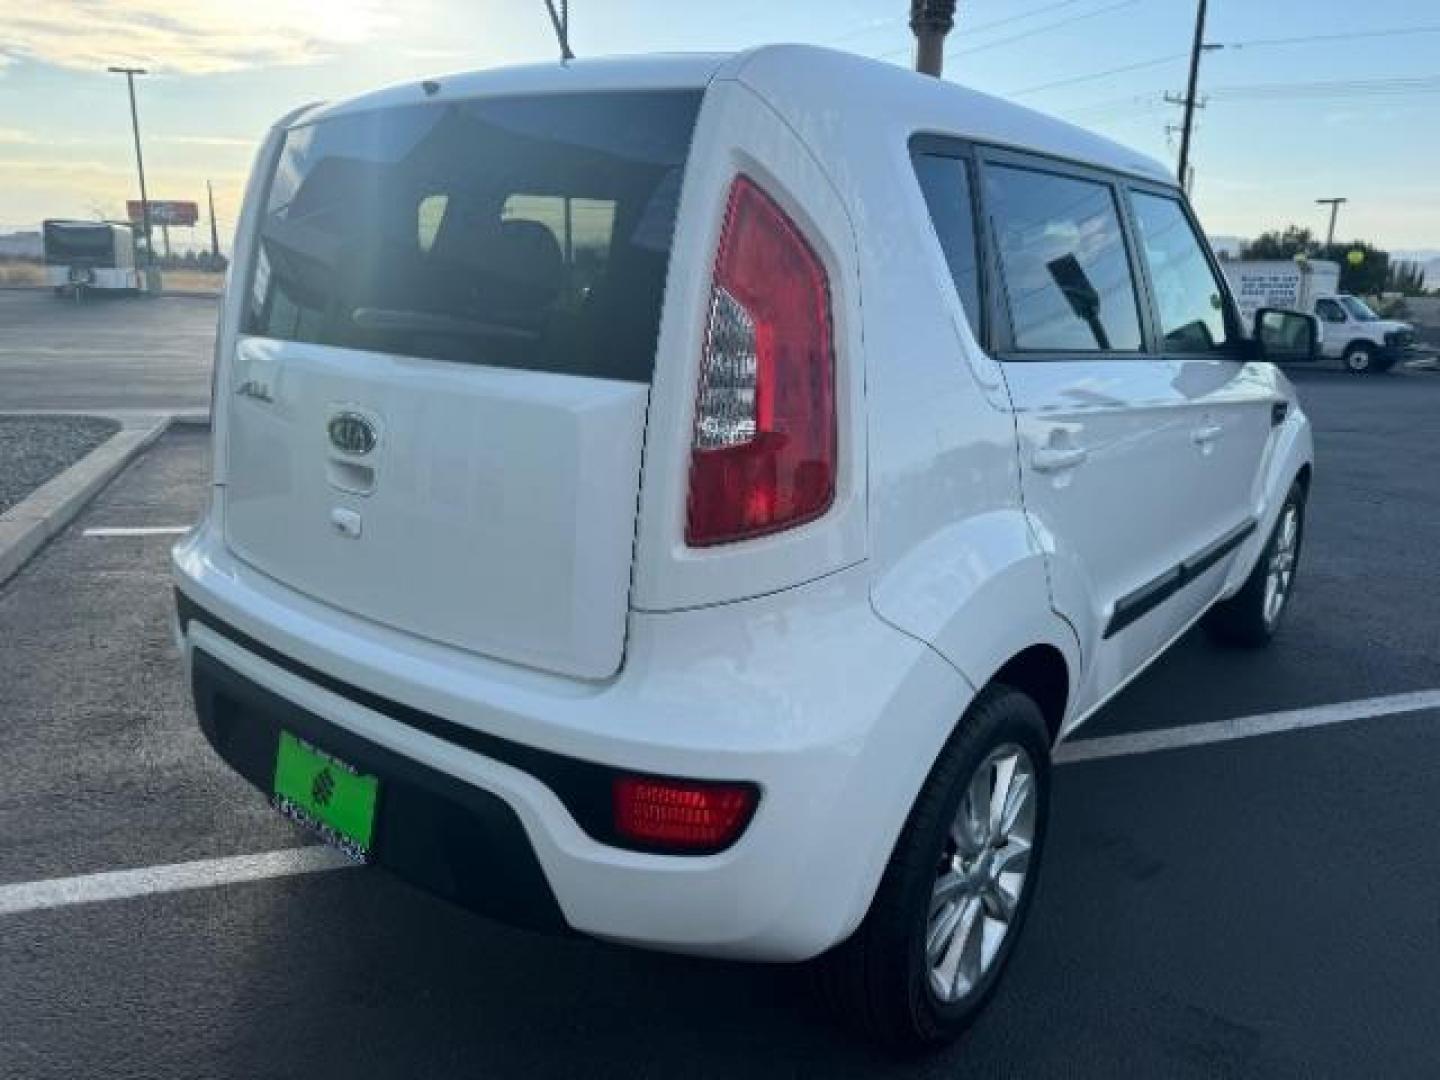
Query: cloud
x=192, y=37
x=15, y=137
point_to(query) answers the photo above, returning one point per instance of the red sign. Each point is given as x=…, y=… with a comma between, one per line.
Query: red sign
x=164, y=212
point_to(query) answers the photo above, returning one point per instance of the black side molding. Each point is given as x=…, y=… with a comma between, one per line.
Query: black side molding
x=1152, y=594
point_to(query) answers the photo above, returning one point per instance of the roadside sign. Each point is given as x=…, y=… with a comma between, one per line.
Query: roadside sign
x=164, y=212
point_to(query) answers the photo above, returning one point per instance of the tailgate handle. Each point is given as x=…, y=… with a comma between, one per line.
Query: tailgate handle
x=351, y=476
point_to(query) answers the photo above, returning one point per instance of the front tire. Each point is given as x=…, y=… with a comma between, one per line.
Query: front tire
x=1251, y=617
x=958, y=886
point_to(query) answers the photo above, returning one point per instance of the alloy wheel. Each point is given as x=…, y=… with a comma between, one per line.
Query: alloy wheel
x=982, y=873
x=1280, y=574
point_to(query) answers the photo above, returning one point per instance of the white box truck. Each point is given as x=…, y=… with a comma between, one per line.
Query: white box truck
x=1352, y=334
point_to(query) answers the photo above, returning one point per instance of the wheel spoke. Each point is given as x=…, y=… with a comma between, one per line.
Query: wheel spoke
x=949, y=887
x=1002, y=898
x=942, y=933
x=949, y=967
x=1013, y=857
x=1016, y=799
x=1004, y=769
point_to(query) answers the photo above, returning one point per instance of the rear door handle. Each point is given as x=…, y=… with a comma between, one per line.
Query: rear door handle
x=1048, y=459
x=1202, y=436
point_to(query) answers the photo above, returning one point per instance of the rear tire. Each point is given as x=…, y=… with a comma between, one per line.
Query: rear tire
x=951, y=869
x=1361, y=358
x=1251, y=617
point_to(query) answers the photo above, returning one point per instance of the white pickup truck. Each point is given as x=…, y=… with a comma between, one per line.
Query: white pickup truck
x=1352, y=333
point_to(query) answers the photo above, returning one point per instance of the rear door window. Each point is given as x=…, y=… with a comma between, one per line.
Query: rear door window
x=1064, y=262
x=525, y=232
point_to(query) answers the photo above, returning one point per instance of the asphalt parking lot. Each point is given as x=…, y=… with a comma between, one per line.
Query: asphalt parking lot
x=1267, y=906
x=108, y=353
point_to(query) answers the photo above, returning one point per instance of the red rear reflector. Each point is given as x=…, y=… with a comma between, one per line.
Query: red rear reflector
x=763, y=455
x=686, y=815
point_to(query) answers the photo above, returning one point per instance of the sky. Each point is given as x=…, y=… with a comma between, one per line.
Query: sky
x=1350, y=111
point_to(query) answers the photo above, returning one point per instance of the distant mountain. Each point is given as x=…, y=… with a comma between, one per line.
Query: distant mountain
x=1227, y=246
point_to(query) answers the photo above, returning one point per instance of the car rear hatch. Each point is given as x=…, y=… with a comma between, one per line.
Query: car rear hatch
x=438, y=394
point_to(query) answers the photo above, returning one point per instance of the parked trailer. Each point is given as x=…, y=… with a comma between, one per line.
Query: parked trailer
x=85, y=255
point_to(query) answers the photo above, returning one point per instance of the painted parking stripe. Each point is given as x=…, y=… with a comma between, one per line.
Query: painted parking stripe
x=1245, y=727
x=210, y=873
x=176, y=877
x=145, y=530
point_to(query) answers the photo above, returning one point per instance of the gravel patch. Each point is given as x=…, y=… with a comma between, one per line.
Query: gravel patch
x=33, y=449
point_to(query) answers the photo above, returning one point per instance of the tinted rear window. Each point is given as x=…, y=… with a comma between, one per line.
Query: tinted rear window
x=79, y=243
x=526, y=232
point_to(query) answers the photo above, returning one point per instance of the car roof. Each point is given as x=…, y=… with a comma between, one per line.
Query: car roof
x=799, y=81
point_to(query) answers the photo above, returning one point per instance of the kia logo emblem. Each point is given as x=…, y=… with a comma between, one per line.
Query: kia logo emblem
x=351, y=433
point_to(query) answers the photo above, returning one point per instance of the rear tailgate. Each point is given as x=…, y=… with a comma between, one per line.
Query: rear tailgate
x=438, y=397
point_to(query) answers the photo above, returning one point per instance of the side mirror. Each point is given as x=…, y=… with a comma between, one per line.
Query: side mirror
x=1287, y=336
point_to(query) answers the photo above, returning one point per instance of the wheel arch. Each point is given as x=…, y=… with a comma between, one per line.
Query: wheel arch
x=1042, y=673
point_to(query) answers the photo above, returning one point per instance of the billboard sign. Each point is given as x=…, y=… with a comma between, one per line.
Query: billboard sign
x=164, y=212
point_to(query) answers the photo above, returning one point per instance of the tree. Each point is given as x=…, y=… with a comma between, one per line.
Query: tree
x=1406, y=277
x=1280, y=245
x=1367, y=276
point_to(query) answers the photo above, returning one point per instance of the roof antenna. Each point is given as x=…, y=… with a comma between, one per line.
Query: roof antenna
x=561, y=21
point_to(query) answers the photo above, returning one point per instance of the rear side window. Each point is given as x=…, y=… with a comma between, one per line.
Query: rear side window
x=1063, y=258
x=525, y=232
x=946, y=184
x=1187, y=294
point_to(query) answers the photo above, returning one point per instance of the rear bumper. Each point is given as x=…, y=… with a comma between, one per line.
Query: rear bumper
x=450, y=838
x=834, y=715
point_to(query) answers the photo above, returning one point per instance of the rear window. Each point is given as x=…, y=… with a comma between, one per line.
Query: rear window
x=79, y=243
x=525, y=232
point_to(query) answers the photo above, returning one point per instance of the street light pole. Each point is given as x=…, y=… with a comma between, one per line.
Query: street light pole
x=1334, y=211
x=130, y=73
x=931, y=20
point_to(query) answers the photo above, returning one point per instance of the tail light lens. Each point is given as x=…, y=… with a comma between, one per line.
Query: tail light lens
x=763, y=455
x=682, y=815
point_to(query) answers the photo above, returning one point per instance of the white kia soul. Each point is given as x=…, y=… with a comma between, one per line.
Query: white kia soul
x=682, y=500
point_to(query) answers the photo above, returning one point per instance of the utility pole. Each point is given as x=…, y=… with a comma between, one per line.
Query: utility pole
x=931, y=20
x=561, y=21
x=1334, y=210
x=214, y=229
x=1196, y=48
x=130, y=73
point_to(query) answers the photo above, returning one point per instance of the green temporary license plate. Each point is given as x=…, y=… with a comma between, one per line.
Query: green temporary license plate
x=325, y=794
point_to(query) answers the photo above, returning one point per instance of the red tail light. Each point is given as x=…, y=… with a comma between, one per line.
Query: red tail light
x=684, y=815
x=763, y=456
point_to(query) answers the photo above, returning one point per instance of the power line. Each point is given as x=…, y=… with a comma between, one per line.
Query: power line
x=1096, y=75
x=1056, y=25
x=1398, y=31
x=1422, y=84
x=997, y=23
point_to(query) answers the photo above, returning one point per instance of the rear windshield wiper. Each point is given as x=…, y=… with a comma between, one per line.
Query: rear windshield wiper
x=424, y=322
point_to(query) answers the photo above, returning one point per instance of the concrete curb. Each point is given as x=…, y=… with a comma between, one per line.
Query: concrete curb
x=26, y=527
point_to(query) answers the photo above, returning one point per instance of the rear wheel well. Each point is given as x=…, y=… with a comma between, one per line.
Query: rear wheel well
x=1040, y=672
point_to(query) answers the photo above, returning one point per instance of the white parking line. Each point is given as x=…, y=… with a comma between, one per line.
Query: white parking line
x=1245, y=727
x=145, y=530
x=176, y=877
x=209, y=873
